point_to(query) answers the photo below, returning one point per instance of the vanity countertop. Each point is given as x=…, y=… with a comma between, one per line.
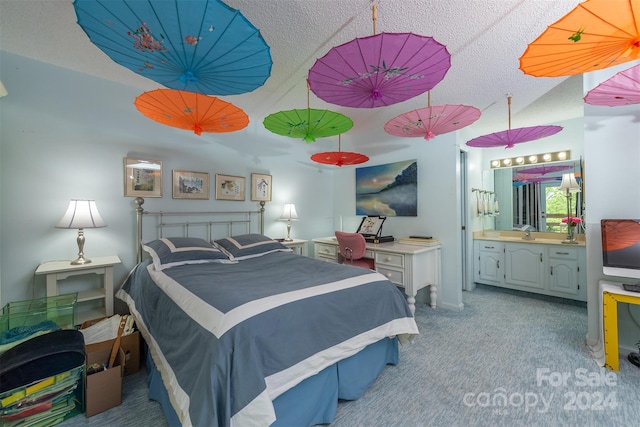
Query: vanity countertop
x=540, y=238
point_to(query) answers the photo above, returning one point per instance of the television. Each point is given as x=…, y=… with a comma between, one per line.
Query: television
x=621, y=247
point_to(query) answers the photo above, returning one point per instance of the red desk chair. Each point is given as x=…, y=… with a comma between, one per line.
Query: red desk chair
x=352, y=248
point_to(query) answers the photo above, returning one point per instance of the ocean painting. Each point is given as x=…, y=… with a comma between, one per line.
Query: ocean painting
x=388, y=190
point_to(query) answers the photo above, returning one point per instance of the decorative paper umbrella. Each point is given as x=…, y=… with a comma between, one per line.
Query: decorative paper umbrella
x=432, y=121
x=379, y=70
x=308, y=123
x=197, y=45
x=544, y=169
x=596, y=34
x=339, y=158
x=191, y=111
x=520, y=177
x=621, y=89
x=510, y=137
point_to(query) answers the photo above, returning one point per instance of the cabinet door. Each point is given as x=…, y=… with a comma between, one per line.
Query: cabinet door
x=525, y=265
x=563, y=276
x=491, y=267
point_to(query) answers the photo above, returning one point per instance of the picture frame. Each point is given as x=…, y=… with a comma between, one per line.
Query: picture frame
x=230, y=187
x=190, y=185
x=260, y=187
x=371, y=225
x=142, y=177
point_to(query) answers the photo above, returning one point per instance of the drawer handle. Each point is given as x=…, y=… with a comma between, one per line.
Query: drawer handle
x=489, y=247
x=389, y=275
x=498, y=266
x=562, y=253
x=540, y=257
x=387, y=259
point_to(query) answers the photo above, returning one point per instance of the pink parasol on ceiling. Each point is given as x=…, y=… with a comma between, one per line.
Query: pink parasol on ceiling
x=544, y=169
x=432, y=121
x=379, y=70
x=621, y=89
x=508, y=138
x=339, y=158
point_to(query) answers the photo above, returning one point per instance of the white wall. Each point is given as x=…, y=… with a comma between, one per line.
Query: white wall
x=64, y=135
x=438, y=201
x=612, y=154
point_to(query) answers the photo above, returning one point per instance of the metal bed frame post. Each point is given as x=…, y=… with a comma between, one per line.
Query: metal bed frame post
x=140, y=212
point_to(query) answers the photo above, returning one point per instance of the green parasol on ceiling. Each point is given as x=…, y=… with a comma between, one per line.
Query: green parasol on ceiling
x=308, y=123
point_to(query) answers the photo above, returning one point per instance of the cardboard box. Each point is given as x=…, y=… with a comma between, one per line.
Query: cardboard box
x=103, y=389
x=130, y=344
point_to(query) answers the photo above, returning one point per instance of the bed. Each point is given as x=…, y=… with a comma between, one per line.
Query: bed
x=241, y=331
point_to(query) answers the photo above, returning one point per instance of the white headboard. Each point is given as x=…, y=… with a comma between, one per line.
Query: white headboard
x=209, y=225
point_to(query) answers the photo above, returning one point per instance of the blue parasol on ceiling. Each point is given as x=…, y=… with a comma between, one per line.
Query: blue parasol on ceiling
x=199, y=46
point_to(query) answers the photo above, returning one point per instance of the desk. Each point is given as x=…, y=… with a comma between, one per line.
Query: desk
x=611, y=294
x=60, y=270
x=412, y=267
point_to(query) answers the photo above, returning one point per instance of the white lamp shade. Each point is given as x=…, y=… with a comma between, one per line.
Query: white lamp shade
x=569, y=183
x=81, y=214
x=289, y=212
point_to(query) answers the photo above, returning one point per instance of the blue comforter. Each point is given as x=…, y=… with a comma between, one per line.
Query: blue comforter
x=230, y=338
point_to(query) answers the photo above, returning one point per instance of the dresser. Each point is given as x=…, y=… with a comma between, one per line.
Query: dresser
x=411, y=267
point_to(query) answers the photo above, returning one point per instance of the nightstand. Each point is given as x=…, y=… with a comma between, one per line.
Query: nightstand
x=299, y=246
x=60, y=270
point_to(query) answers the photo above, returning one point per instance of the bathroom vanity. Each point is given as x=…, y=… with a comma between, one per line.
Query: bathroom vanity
x=543, y=265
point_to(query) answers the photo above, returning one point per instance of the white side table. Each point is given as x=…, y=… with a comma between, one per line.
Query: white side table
x=60, y=270
x=299, y=246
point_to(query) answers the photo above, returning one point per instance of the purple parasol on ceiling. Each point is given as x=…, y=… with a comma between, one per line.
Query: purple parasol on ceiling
x=379, y=70
x=544, y=169
x=621, y=89
x=508, y=138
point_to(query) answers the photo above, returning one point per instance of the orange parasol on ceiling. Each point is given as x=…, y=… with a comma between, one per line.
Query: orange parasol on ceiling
x=596, y=34
x=191, y=111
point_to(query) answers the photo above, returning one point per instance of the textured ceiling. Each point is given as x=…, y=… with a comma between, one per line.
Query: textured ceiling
x=485, y=38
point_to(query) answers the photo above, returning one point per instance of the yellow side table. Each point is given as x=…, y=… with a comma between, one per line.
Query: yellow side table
x=611, y=295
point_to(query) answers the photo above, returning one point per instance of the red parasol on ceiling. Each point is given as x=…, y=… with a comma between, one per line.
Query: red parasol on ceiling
x=621, y=89
x=432, y=121
x=508, y=138
x=596, y=34
x=379, y=70
x=339, y=158
x=191, y=111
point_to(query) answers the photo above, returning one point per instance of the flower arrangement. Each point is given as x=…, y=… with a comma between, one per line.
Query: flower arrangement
x=571, y=221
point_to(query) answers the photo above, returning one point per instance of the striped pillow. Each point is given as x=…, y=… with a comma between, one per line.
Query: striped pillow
x=175, y=251
x=248, y=246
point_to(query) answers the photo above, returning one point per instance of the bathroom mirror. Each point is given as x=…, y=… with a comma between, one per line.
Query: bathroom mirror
x=529, y=197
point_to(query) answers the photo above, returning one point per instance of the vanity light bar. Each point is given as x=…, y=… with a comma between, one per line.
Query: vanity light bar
x=532, y=159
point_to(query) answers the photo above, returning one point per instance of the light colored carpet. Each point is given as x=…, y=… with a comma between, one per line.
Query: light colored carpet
x=507, y=359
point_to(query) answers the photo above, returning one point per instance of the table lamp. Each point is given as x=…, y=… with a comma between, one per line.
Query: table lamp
x=569, y=185
x=289, y=214
x=81, y=214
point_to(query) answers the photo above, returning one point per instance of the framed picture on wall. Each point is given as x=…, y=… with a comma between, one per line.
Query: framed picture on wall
x=260, y=187
x=190, y=185
x=229, y=187
x=142, y=177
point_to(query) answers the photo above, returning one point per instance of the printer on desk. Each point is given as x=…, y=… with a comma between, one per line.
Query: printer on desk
x=371, y=228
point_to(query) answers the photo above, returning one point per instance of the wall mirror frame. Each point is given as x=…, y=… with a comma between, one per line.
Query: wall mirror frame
x=534, y=201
